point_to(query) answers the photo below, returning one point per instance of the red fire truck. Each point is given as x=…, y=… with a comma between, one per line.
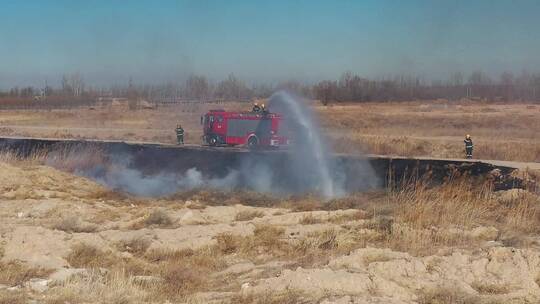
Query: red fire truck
x=253, y=129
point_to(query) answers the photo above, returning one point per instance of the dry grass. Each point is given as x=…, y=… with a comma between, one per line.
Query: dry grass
x=284, y=297
x=455, y=203
x=269, y=243
x=446, y=296
x=158, y=217
x=490, y=288
x=179, y=273
x=407, y=129
x=432, y=128
x=113, y=287
x=37, y=157
x=225, y=198
x=326, y=240
x=13, y=297
x=107, y=215
x=16, y=273
x=181, y=280
x=199, y=198
x=74, y=224
x=425, y=219
x=136, y=246
x=317, y=248
x=184, y=272
x=309, y=219
x=110, y=122
x=247, y=215
x=266, y=242
x=415, y=217
x=357, y=215
x=87, y=256
x=524, y=214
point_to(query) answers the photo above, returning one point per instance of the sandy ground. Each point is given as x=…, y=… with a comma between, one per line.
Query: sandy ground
x=76, y=242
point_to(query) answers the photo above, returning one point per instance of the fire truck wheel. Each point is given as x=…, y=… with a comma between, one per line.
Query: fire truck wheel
x=253, y=141
x=212, y=141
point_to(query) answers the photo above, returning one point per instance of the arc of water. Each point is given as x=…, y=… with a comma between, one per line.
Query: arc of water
x=314, y=142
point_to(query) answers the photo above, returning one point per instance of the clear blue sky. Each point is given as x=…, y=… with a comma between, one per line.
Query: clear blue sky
x=109, y=40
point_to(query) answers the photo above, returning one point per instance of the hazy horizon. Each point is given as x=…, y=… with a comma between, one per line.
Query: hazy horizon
x=109, y=41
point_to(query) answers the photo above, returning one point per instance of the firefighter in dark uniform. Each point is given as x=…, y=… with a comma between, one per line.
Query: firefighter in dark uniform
x=263, y=109
x=256, y=108
x=180, y=134
x=468, y=146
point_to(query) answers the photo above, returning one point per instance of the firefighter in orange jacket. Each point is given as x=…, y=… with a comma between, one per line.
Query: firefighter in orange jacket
x=468, y=146
x=256, y=108
x=179, y=134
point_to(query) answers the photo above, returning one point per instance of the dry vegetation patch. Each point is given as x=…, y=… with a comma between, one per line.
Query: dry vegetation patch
x=223, y=198
x=490, y=288
x=412, y=129
x=426, y=218
x=16, y=273
x=288, y=296
x=88, y=256
x=13, y=297
x=343, y=218
x=74, y=224
x=445, y=295
x=112, y=287
x=309, y=219
x=247, y=215
x=136, y=246
x=266, y=239
x=184, y=272
x=158, y=217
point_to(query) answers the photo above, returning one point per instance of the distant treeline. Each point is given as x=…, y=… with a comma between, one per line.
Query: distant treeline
x=348, y=88
x=353, y=88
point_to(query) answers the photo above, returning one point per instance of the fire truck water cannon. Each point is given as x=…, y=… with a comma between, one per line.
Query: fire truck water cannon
x=251, y=129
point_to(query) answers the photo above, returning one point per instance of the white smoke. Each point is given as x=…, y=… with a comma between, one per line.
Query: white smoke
x=310, y=156
x=121, y=177
x=314, y=164
x=307, y=167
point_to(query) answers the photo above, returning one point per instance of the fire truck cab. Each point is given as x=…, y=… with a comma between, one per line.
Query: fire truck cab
x=253, y=129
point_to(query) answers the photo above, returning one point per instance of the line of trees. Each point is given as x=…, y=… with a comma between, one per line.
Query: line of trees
x=478, y=85
x=349, y=87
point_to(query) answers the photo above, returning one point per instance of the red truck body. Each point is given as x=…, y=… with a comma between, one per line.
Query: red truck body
x=243, y=128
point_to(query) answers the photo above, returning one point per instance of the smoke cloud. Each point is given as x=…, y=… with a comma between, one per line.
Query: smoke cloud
x=313, y=164
x=307, y=166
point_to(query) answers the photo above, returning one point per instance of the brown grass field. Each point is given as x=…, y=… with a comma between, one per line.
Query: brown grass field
x=435, y=129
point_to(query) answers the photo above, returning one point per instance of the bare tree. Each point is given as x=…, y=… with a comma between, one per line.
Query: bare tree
x=72, y=84
x=325, y=91
x=197, y=87
x=231, y=88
